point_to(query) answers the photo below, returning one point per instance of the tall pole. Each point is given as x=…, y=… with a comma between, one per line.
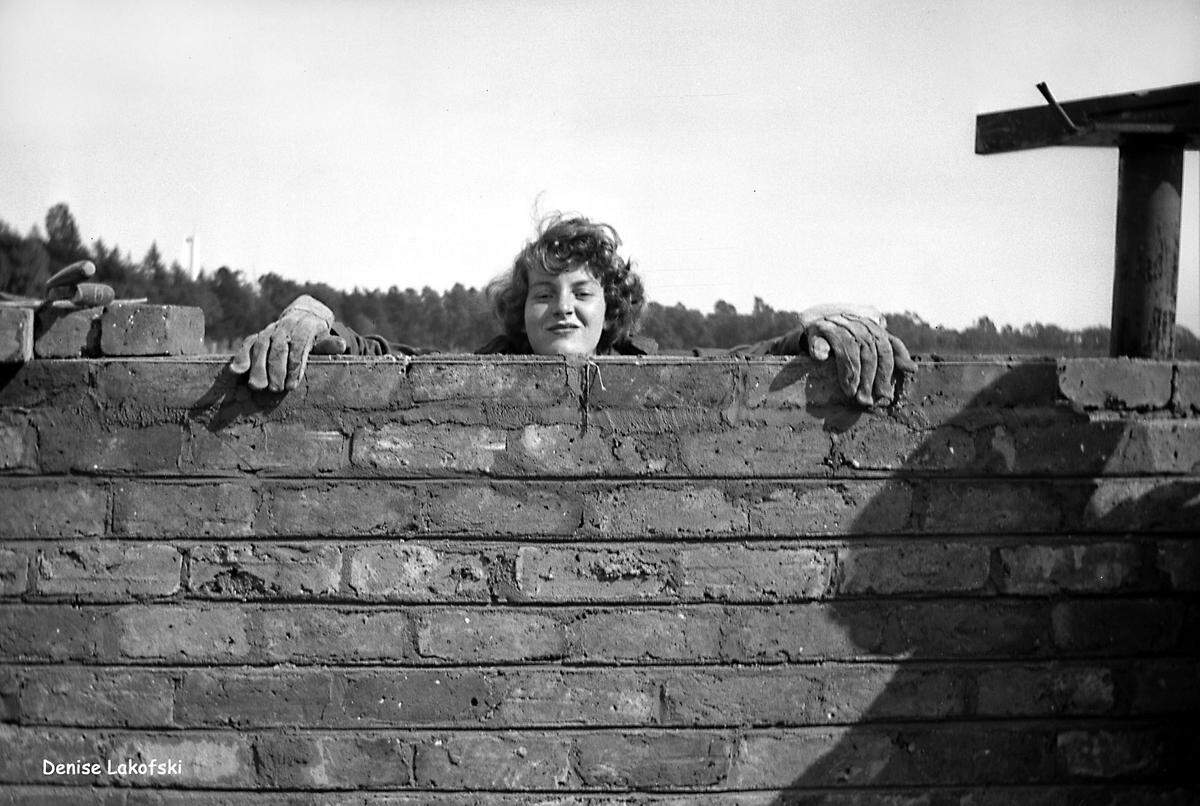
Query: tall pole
x=1146, y=276
x=191, y=242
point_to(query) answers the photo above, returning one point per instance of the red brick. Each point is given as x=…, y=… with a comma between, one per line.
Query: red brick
x=934, y=629
x=254, y=698
x=490, y=636
x=14, y=572
x=730, y=573
x=208, y=760
x=1115, y=383
x=541, y=382
x=989, y=441
x=339, y=508
x=778, y=391
x=913, y=567
x=1178, y=561
x=108, y=571
x=494, y=761
x=831, y=508
x=67, y=332
x=1166, y=686
x=1156, y=446
x=71, y=445
x=661, y=383
x=827, y=693
x=276, y=447
x=652, y=759
x=1119, y=626
x=765, y=450
x=1081, y=567
x=16, y=335
x=645, y=511
x=942, y=390
x=611, y=573
x=502, y=508
x=404, y=571
x=363, y=384
x=326, y=635
x=577, y=697
x=1120, y=754
x=1040, y=691
x=46, y=383
x=173, y=633
x=908, y=755
x=97, y=697
x=52, y=509
x=192, y=383
x=127, y=330
x=336, y=761
x=55, y=633
x=26, y=747
x=975, y=507
x=57, y=795
x=422, y=449
x=1137, y=504
x=212, y=509
x=564, y=450
x=656, y=635
x=18, y=446
x=1187, y=386
x=264, y=570
x=432, y=697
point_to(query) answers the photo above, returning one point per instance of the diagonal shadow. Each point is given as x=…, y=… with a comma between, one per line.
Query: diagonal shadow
x=886, y=746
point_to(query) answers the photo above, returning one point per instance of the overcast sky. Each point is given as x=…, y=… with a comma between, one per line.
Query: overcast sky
x=799, y=151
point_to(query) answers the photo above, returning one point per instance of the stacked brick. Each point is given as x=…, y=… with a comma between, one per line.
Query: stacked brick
x=65, y=330
x=458, y=581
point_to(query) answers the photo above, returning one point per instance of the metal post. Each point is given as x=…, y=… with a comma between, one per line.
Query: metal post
x=1146, y=277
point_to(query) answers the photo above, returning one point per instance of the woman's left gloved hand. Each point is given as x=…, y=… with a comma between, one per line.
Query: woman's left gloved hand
x=869, y=359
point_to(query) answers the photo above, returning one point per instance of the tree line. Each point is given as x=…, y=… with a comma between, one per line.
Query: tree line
x=461, y=319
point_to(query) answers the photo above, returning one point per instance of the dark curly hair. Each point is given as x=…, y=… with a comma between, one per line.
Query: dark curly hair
x=562, y=245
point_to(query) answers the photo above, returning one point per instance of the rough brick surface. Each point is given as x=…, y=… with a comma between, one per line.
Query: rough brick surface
x=128, y=330
x=108, y=571
x=1116, y=383
x=466, y=581
x=252, y=571
x=52, y=508
x=67, y=332
x=16, y=335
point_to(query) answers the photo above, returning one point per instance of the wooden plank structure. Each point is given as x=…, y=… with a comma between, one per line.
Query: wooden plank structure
x=1151, y=129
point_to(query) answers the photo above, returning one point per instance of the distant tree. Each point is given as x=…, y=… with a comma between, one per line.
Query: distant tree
x=62, y=236
x=24, y=263
x=152, y=266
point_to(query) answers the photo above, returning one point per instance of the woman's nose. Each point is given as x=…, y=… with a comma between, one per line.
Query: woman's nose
x=562, y=304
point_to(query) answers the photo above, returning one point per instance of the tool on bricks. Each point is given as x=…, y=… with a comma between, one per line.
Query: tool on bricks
x=69, y=288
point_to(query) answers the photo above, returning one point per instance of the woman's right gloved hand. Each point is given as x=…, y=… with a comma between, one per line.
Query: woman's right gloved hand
x=277, y=355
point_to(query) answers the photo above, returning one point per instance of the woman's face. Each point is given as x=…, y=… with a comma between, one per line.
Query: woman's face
x=564, y=313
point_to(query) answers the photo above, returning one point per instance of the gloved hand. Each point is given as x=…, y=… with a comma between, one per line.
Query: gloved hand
x=277, y=355
x=868, y=358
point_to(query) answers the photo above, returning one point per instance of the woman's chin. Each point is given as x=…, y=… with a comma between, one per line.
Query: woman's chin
x=571, y=347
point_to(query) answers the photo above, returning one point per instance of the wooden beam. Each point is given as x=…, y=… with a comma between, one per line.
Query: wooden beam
x=1170, y=114
x=1146, y=276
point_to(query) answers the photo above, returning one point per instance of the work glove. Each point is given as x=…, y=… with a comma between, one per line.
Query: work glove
x=277, y=355
x=869, y=359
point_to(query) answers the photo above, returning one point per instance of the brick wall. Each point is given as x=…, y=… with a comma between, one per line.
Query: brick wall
x=459, y=581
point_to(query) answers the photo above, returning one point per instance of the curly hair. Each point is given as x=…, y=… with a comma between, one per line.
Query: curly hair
x=562, y=245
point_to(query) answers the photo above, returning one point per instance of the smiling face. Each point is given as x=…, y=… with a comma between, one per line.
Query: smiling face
x=564, y=313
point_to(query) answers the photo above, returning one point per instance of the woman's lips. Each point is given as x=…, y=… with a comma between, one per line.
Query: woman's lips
x=562, y=328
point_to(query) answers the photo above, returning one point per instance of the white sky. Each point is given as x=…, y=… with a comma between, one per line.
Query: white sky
x=799, y=151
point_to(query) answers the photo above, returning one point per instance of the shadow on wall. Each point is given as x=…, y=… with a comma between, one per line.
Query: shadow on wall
x=1058, y=699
